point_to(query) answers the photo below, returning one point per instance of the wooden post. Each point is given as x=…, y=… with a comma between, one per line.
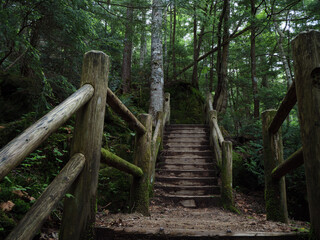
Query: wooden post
x=306, y=56
x=156, y=145
x=275, y=191
x=79, y=212
x=214, y=140
x=226, y=176
x=167, y=107
x=142, y=159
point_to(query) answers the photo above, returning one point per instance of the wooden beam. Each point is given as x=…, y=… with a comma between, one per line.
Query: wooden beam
x=306, y=56
x=79, y=212
x=120, y=164
x=15, y=151
x=293, y=162
x=31, y=223
x=118, y=107
x=286, y=105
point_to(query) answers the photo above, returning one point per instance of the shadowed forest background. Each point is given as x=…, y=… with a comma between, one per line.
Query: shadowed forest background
x=238, y=50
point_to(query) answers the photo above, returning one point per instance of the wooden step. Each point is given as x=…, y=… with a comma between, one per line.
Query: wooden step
x=186, y=166
x=193, y=201
x=187, y=173
x=183, y=153
x=186, y=160
x=154, y=233
x=187, y=190
x=187, y=181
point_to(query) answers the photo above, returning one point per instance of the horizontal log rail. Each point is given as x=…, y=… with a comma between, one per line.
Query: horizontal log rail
x=286, y=105
x=118, y=107
x=15, y=151
x=293, y=162
x=41, y=209
x=120, y=164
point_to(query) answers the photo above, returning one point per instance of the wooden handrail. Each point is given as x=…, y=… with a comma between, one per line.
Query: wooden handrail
x=293, y=162
x=41, y=209
x=120, y=164
x=118, y=107
x=286, y=105
x=15, y=151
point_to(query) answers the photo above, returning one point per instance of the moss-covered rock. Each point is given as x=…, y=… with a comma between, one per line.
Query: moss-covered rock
x=187, y=104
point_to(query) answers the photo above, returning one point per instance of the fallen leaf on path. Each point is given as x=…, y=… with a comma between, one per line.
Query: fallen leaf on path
x=7, y=206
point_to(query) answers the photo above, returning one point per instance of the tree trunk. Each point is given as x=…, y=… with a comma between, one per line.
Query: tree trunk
x=254, y=79
x=127, y=52
x=221, y=94
x=174, y=64
x=157, y=81
x=195, y=49
x=283, y=55
x=212, y=46
x=143, y=40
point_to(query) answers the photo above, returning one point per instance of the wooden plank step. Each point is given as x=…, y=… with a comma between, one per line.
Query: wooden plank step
x=186, y=166
x=188, y=181
x=155, y=233
x=193, y=201
x=187, y=190
x=187, y=173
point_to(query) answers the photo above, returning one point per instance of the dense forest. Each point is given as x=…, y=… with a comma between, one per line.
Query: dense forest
x=238, y=50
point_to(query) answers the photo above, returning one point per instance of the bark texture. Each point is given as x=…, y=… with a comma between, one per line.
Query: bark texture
x=306, y=56
x=127, y=52
x=157, y=76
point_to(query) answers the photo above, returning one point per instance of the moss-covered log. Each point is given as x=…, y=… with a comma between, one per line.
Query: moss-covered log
x=41, y=209
x=118, y=107
x=306, y=56
x=79, y=212
x=294, y=161
x=120, y=164
x=142, y=158
x=275, y=191
x=226, y=176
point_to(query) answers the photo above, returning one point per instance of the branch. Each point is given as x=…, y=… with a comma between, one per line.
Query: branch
x=234, y=35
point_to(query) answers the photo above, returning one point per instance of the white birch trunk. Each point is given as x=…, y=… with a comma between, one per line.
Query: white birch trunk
x=157, y=77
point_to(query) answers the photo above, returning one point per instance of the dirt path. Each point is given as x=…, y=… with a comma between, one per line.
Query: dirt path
x=166, y=217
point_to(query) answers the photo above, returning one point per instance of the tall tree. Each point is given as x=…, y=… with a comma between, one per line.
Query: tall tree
x=157, y=77
x=221, y=93
x=143, y=39
x=127, y=51
x=254, y=79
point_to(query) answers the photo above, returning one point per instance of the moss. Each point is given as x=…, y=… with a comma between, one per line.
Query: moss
x=186, y=104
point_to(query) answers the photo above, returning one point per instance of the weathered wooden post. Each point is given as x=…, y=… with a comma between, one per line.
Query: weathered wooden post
x=306, y=56
x=142, y=158
x=167, y=107
x=275, y=190
x=80, y=210
x=214, y=138
x=226, y=176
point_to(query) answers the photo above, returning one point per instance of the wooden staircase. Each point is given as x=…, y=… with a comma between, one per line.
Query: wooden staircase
x=187, y=174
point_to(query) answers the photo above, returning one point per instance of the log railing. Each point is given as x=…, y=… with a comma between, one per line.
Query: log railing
x=79, y=176
x=89, y=103
x=305, y=91
x=223, y=154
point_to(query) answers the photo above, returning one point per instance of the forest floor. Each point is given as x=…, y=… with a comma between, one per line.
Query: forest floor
x=165, y=217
